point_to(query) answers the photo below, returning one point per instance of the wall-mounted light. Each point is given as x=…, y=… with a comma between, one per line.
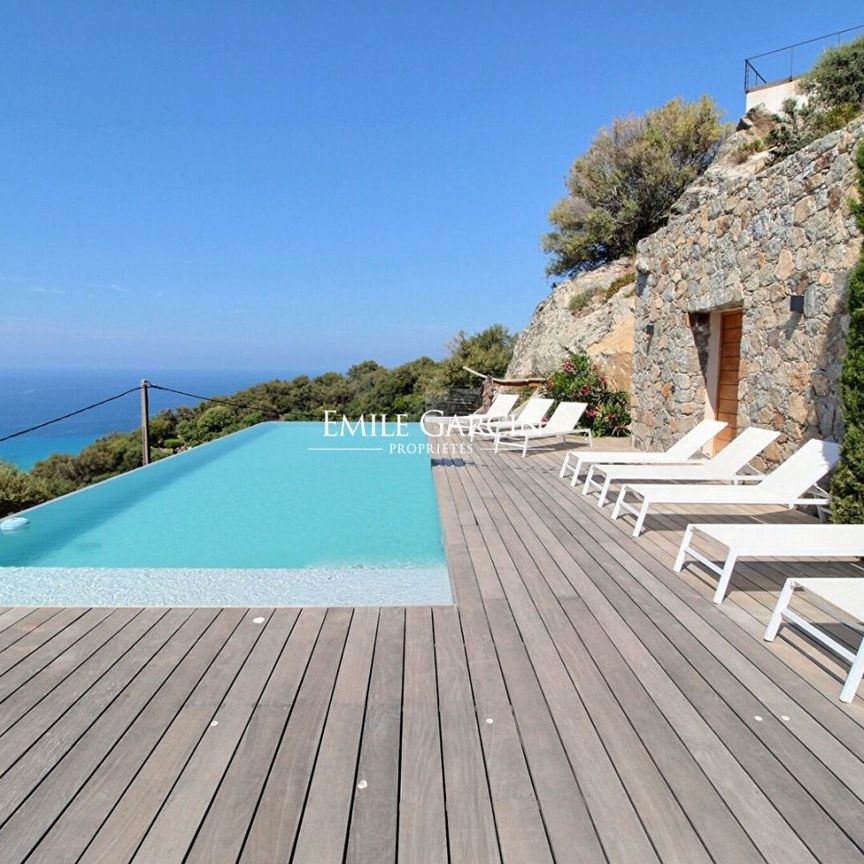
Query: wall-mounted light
x=649, y=330
x=796, y=303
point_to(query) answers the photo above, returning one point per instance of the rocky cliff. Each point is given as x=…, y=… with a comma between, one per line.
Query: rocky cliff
x=601, y=324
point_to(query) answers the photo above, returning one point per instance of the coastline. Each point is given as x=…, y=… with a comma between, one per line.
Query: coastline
x=29, y=397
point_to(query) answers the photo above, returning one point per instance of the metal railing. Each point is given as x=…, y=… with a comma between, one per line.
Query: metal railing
x=786, y=64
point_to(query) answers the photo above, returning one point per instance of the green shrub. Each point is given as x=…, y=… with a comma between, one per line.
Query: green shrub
x=19, y=490
x=744, y=151
x=579, y=301
x=847, y=484
x=799, y=125
x=488, y=351
x=623, y=187
x=837, y=77
x=579, y=380
x=617, y=284
x=834, y=88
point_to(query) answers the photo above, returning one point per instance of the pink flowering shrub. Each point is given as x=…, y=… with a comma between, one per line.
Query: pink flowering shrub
x=579, y=380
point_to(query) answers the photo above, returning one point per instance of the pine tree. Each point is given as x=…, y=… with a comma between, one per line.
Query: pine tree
x=847, y=486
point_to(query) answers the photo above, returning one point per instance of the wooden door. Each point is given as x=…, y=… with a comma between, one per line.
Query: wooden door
x=726, y=403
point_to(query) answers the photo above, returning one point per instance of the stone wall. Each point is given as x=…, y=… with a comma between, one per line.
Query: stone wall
x=752, y=243
x=603, y=327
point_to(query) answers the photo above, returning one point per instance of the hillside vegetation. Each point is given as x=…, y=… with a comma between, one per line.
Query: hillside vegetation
x=623, y=187
x=365, y=388
x=834, y=91
x=847, y=484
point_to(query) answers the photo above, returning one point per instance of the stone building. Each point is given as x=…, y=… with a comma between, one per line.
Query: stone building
x=740, y=302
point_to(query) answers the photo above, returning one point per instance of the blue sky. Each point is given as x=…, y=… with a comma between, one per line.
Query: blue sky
x=299, y=186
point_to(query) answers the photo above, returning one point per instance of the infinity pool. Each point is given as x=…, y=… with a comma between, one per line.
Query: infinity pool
x=273, y=515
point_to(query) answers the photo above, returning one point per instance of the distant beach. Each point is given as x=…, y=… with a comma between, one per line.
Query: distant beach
x=30, y=397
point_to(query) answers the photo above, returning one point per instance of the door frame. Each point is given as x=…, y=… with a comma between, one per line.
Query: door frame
x=712, y=372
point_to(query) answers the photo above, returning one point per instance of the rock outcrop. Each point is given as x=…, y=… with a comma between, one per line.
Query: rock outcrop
x=603, y=326
x=741, y=155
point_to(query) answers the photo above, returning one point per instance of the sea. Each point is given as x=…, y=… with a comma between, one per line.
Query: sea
x=30, y=397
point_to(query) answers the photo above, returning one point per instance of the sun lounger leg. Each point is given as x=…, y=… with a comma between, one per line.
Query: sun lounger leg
x=847, y=694
x=604, y=492
x=640, y=519
x=497, y=442
x=685, y=548
x=587, y=483
x=725, y=576
x=564, y=467
x=525, y=447
x=619, y=501
x=779, y=609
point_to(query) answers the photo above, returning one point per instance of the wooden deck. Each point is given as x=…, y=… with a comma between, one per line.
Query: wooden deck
x=579, y=703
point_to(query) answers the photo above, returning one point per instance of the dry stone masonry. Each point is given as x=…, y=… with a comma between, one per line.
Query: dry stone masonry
x=752, y=243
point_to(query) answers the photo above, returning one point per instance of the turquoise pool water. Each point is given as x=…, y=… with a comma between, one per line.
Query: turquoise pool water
x=261, y=517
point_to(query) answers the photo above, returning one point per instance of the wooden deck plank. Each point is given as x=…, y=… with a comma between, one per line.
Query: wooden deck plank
x=612, y=812
x=422, y=819
x=323, y=835
x=128, y=822
x=17, y=623
x=172, y=832
x=571, y=833
x=15, y=615
x=666, y=822
x=23, y=699
x=622, y=702
x=819, y=837
x=521, y=832
x=73, y=831
x=224, y=829
x=49, y=799
x=470, y=822
x=719, y=830
x=89, y=686
x=23, y=658
x=769, y=831
x=274, y=828
x=375, y=810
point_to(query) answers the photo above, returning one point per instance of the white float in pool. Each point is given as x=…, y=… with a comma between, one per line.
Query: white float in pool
x=14, y=523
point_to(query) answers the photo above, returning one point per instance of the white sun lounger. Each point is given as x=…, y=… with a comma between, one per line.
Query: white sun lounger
x=529, y=416
x=500, y=408
x=786, y=486
x=847, y=594
x=757, y=540
x=563, y=422
x=722, y=467
x=680, y=453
